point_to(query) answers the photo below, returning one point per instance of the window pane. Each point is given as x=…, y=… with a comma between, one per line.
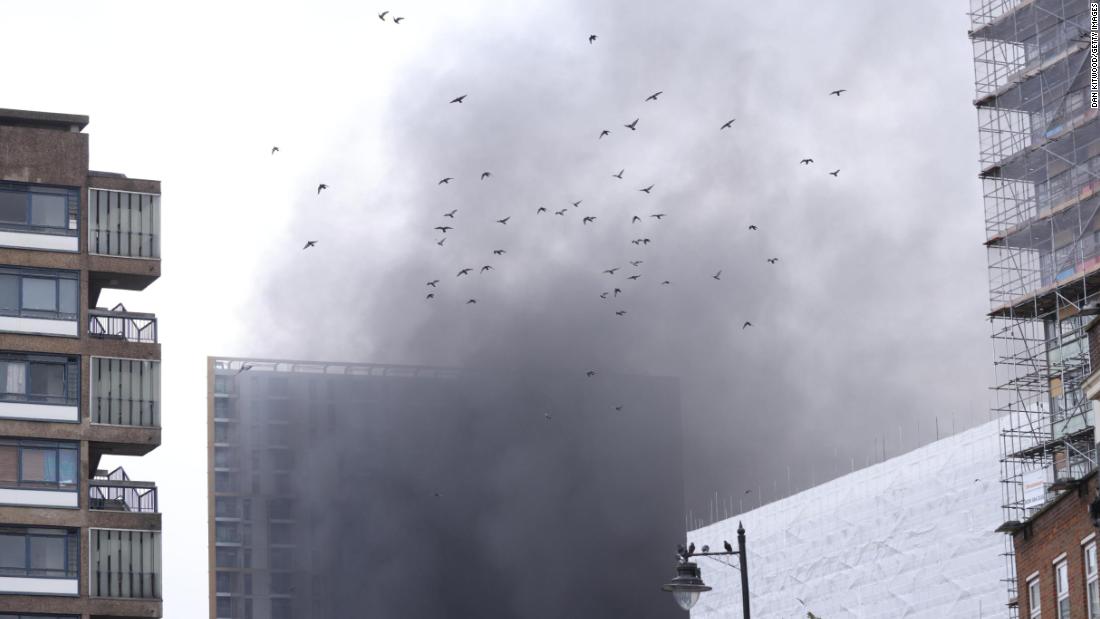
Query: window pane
x=9, y=463
x=226, y=557
x=69, y=463
x=13, y=207
x=49, y=209
x=13, y=551
x=68, y=303
x=39, y=464
x=47, y=379
x=48, y=553
x=9, y=292
x=39, y=294
x=13, y=377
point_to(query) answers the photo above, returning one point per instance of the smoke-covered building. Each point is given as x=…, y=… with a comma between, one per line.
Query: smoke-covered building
x=343, y=489
x=909, y=537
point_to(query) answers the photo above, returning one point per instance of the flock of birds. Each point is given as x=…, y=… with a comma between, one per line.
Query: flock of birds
x=615, y=291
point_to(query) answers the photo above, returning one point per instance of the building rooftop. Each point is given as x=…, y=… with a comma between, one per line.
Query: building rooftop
x=43, y=120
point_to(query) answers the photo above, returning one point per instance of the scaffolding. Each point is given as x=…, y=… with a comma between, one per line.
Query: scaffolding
x=1039, y=142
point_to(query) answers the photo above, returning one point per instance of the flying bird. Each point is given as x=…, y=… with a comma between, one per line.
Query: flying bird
x=718, y=275
x=433, y=283
x=463, y=272
x=617, y=291
x=653, y=97
x=504, y=221
x=458, y=99
x=619, y=407
x=620, y=174
x=646, y=189
x=431, y=295
x=588, y=219
x=658, y=216
x=382, y=15
x=603, y=295
x=320, y=187
x=773, y=260
x=728, y=125
x=727, y=546
x=835, y=172
x=445, y=181
x=498, y=252
x=637, y=241
x=577, y=203
x=397, y=20
x=309, y=244
x=620, y=313
x=485, y=175
x=486, y=268
x=635, y=219
x=244, y=368
x=612, y=271
x=590, y=373
x=451, y=214
x=561, y=212
x=665, y=282
x=837, y=92
x=443, y=229
x=645, y=241
x=752, y=227
x=542, y=209
x=806, y=161
x=436, y=495
x=591, y=39
x=632, y=126
x=440, y=241
x=635, y=263
x=603, y=133
x=634, y=277
x=747, y=324
x=274, y=149
x=471, y=301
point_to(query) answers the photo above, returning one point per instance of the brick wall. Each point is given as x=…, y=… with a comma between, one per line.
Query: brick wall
x=1059, y=528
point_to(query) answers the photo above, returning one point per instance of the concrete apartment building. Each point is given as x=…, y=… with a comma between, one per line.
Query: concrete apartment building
x=372, y=490
x=76, y=381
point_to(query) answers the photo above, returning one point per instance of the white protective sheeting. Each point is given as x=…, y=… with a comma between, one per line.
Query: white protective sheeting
x=909, y=537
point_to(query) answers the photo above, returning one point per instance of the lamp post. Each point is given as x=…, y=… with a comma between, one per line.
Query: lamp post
x=688, y=584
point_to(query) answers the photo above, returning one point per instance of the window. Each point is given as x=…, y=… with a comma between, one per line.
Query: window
x=1061, y=589
x=282, y=583
x=1033, y=598
x=226, y=507
x=227, y=532
x=39, y=293
x=227, y=556
x=1092, y=582
x=37, y=464
x=225, y=605
x=223, y=384
x=41, y=209
x=39, y=553
x=42, y=379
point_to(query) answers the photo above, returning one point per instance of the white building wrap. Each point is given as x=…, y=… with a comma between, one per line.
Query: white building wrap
x=912, y=537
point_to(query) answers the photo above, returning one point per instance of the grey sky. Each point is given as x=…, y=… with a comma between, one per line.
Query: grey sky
x=872, y=318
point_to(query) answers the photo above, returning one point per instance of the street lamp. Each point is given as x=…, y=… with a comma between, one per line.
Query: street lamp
x=688, y=584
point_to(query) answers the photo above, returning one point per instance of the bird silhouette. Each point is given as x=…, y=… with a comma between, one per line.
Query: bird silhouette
x=653, y=97
x=620, y=313
x=433, y=283
x=747, y=324
x=542, y=209
x=806, y=161
x=431, y=295
x=244, y=368
x=498, y=252
x=691, y=548
x=486, y=268
x=471, y=301
x=458, y=99
x=727, y=546
x=548, y=416
x=612, y=271
x=658, y=216
x=635, y=263
x=591, y=39
x=309, y=244
x=665, y=282
x=835, y=172
x=504, y=221
x=810, y=615
x=633, y=126
x=590, y=373
x=588, y=219
x=646, y=189
x=443, y=229
x=617, y=291
x=634, y=277
x=320, y=187
x=485, y=175
x=773, y=260
x=445, y=181
x=577, y=203
x=718, y=275
x=274, y=149
x=464, y=272
x=752, y=227
x=728, y=125
x=603, y=295
x=451, y=214
x=397, y=20
x=561, y=212
x=382, y=15
x=645, y=241
x=637, y=241
x=440, y=241
x=619, y=407
x=837, y=92
x=620, y=174
x=436, y=494
x=603, y=133
x=706, y=548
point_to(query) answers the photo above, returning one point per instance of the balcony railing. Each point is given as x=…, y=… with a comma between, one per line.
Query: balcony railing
x=122, y=325
x=123, y=496
x=123, y=223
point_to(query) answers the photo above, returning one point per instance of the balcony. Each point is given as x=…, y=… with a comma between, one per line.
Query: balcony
x=116, y=492
x=119, y=324
x=123, y=223
x=124, y=563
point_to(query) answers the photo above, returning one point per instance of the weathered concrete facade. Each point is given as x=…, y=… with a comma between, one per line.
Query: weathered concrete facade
x=43, y=149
